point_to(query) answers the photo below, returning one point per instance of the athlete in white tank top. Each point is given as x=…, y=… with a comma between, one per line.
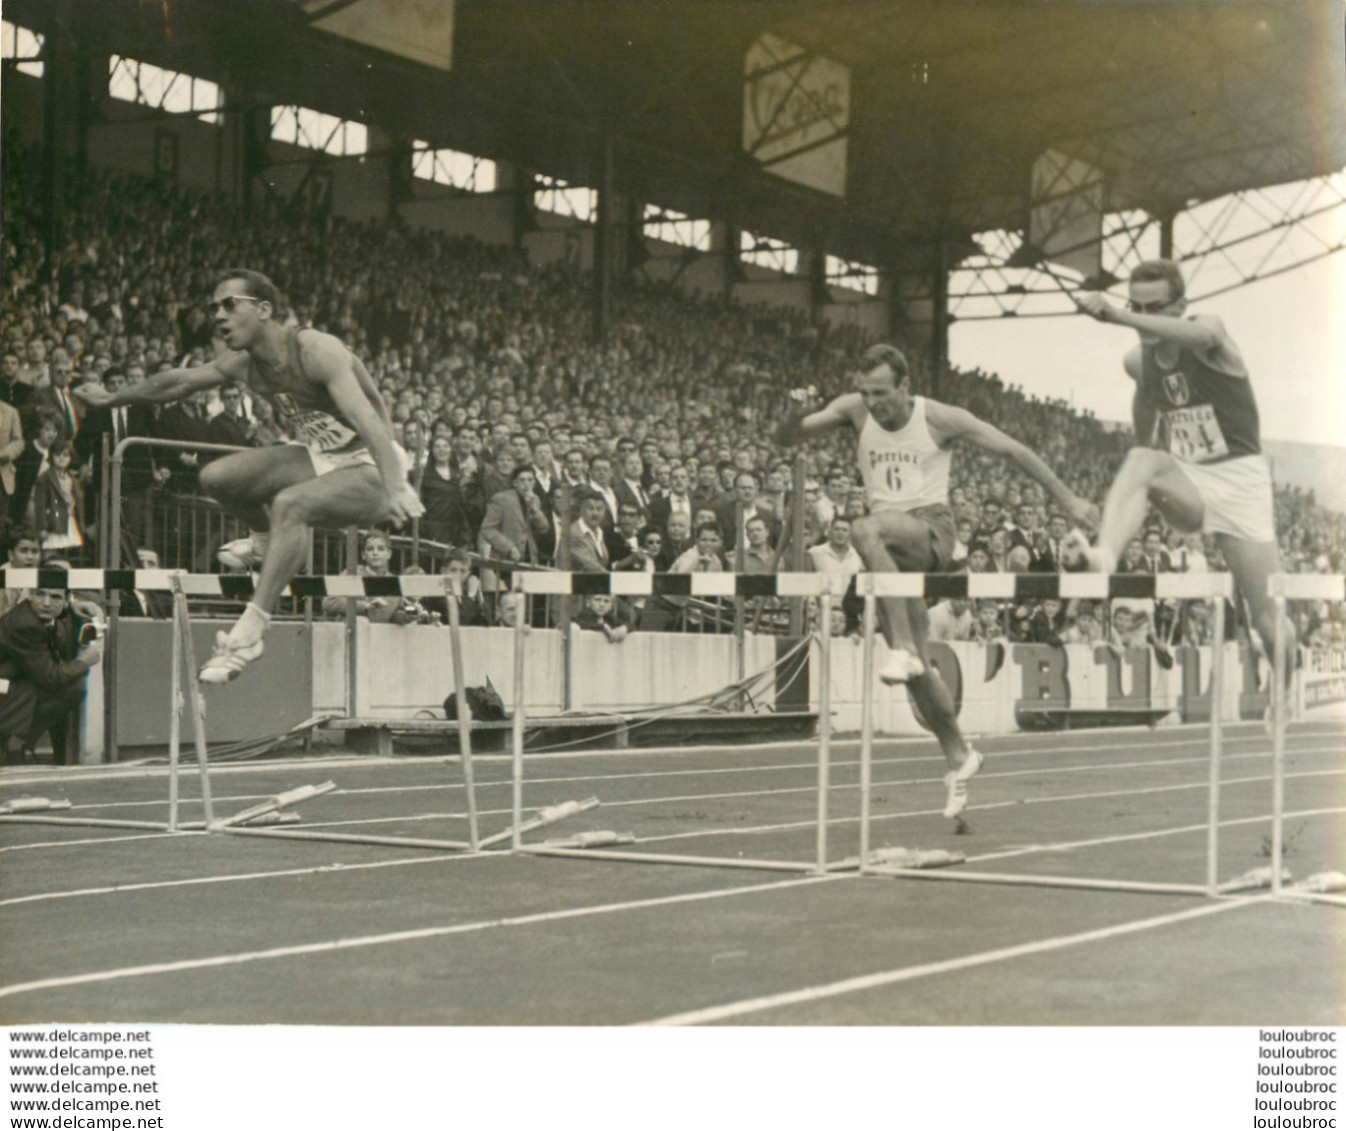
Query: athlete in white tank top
x=903, y=444
x=903, y=470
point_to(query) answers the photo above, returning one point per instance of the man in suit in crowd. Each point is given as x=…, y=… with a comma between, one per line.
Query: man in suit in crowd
x=56, y=399
x=185, y=422
x=44, y=665
x=630, y=488
x=729, y=517
x=600, y=482
x=677, y=499
x=1048, y=556
x=586, y=542
x=231, y=426
x=514, y=521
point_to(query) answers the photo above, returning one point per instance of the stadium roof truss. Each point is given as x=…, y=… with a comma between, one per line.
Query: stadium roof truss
x=1171, y=105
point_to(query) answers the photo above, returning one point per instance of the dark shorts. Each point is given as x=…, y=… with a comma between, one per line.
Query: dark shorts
x=939, y=521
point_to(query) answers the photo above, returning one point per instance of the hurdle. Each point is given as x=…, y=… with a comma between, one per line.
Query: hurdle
x=1284, y=587
x=186, y=695
x=1215, y=587
x=706, y=585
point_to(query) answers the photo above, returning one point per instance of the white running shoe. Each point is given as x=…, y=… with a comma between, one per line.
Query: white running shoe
x=901, y=667
x=229, y=659
x=245, y=553
x=956, y=783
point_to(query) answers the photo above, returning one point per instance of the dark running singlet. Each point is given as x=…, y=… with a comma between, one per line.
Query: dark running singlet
x=1205, y=415
x=303, y=408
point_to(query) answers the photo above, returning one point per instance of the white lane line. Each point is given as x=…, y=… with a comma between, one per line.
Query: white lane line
x=243, y=957
x=235, y=877
x=840, y=787
x=371, y=762
x=1122, y=838
x=948, y=966
x=89, y=840
x=1100, y=795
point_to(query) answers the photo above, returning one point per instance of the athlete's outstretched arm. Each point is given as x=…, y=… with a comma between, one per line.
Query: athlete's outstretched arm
x=952, y=423
x=170, y=385
x=803, y=421
x=1205, y=334
x=329, y=363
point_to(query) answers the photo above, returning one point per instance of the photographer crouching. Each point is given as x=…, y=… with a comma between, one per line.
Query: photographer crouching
x=46, y=651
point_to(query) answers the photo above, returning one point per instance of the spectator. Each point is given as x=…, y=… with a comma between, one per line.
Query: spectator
x=586, y=542
x=376, y=559
x=45, y=658
x=472, y=600
x=675, y=501
x=11, y=448
x=55, y=397
x=58, y=505
x=951, y=620
x=453, y=507
x=25, y=552
x=231, y=424
x=1085, y=629
x=514, y=521
x=758, y=556
x=623, y=542
x=600, y=614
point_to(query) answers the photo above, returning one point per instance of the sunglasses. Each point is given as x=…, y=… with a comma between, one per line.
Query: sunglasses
x=1150, y=307
x=228, y=304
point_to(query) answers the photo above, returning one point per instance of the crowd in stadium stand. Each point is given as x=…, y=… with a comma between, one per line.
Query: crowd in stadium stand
x=662, y=433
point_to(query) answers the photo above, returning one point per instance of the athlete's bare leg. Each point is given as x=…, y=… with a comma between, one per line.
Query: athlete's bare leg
x=892, y=542
x=1148, y=477
x=299, y=500
x=1252, y=563
x=895, y=542
x=244, y=483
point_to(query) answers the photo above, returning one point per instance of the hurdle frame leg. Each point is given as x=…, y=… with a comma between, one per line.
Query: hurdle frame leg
x=175, y=720
x=824, y=720
x=1217, y=669
x=195, y=703
x=464, y=713
x=866, y=720
x=1278, y=665
x=516, y=730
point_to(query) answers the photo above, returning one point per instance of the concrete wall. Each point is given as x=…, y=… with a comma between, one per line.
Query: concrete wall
x=406, y=672
x=991, y=696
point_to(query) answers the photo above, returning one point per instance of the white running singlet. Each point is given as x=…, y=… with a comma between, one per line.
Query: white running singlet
x=906, y=469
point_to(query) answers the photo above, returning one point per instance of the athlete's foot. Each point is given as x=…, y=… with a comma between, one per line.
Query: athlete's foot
x=230, y=658
x=955, y=781
x=901, y=667
x=244, y=553
x=1077, y=556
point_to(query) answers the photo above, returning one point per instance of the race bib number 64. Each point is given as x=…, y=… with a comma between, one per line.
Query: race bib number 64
x=1194, y=435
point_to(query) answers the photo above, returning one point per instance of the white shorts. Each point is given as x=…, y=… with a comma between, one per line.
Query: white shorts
x=324, y=462
x=1237, y=497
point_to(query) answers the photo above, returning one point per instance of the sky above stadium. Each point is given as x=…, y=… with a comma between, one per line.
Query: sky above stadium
x=1291, y=329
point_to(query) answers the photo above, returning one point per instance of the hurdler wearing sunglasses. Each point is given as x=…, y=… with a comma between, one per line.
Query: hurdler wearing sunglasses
x=1198, y=458
x=342, y=467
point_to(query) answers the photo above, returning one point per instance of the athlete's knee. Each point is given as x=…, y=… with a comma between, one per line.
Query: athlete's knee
x=866, y=526
x=1147, y=463
x=216, y=482
x=290, y=508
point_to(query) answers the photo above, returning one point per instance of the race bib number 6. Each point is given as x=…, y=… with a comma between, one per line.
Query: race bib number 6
x=1194, y=435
